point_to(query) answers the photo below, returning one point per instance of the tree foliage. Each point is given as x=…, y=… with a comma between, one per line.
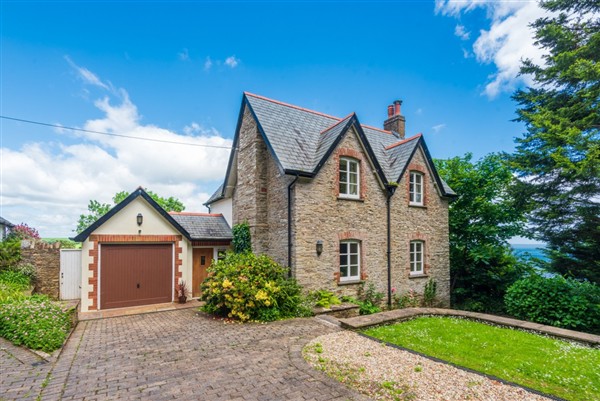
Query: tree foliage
x=97, y=209
x=558, y=158
x=482, y=219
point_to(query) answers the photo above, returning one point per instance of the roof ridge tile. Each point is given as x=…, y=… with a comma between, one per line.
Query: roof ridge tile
x=291, y=105
x=419, y=135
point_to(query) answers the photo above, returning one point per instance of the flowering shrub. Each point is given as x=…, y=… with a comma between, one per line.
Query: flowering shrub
x=35, y=322
x=249, y=287
x=23, y=231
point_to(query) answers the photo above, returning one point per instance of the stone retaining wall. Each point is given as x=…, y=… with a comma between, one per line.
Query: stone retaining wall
x=362, y=322
x=46, y=259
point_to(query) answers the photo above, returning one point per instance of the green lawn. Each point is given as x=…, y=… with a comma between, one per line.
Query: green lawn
x=552, y=366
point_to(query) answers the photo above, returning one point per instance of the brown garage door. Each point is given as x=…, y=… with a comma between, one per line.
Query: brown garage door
x=133, y=275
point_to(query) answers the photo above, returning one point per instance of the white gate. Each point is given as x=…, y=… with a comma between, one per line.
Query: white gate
x=70, y=273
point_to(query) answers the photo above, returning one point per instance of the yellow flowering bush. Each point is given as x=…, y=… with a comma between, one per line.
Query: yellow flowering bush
x=244, y=286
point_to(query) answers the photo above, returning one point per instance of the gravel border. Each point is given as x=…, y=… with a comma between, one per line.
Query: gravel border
x=385, y=372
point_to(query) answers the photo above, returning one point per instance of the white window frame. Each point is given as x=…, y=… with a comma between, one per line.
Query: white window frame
x=344, y=186
x=417, y=257
x=348, y=254
x=416, y=187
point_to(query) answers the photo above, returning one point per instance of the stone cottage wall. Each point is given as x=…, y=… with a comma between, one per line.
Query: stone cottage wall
x=428, y=223
x=46, y=259
x=260, y=196
x=319, y=214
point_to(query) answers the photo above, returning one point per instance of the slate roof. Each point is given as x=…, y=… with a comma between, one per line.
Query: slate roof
x=5, y=222
x=218, y=195
x=301, y=140
x=201, y=226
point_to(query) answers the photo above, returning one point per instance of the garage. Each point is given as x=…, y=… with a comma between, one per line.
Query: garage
x=135, y=274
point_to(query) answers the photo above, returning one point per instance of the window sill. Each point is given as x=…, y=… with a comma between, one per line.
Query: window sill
x=350, y=282
x=420, y=275
x=347, y=198
x=417, y=206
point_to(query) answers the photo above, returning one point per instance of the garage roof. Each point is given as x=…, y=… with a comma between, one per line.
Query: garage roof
x=203, y=226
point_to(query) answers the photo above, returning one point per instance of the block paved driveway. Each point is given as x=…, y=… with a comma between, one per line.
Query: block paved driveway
x=180, y=355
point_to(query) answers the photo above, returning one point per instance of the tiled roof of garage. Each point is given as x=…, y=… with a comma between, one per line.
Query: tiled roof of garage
x=202, y=226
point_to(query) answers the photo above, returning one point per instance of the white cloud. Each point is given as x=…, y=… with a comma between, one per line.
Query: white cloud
x=86, y=75
x=437, y=128
x=184, y=55
x=48, y=184
x=506, y=42
x=207, y=64
x=232, y=61
x=461, y=32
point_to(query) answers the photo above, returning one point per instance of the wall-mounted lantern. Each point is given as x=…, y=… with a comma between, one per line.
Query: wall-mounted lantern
x=140, y=219
x=319, y=247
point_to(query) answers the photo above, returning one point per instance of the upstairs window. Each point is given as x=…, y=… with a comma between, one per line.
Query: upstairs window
x=416, y=188
x=349, y=261
x=349, y=178
x=416, y=257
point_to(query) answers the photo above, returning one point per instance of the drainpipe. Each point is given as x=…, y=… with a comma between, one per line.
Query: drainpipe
x=390, y=192
x=289, y=212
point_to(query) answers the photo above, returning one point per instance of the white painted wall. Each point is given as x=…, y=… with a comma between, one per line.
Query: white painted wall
x=125, y=223
x=223, y=206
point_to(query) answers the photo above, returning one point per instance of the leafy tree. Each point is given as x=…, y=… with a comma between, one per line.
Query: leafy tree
x=97, y=209
x=482, y=219
x=558, y=158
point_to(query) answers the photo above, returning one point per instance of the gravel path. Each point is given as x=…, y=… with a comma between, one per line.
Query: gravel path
x=387, y=373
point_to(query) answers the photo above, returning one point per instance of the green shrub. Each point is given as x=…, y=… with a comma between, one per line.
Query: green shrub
x=555, y=301
x=10, y=293
x=15, y=278
x=429, y=292
x=10, y=253
x=408, y=300
x=35, y=322
x=324, y=298
x=241, y=241
x=249, y=287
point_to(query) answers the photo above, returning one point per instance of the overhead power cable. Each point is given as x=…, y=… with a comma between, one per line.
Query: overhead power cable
x=111, y=134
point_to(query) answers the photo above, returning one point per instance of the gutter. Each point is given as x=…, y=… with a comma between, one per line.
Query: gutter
x=390, y=191
x=289, y=216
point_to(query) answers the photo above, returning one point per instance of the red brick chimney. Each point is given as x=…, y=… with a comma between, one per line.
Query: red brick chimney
x=396, y=121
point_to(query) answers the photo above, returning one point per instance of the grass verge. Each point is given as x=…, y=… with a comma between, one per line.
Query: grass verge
x=556, y=367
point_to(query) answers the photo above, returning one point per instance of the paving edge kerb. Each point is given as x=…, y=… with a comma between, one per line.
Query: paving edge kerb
x=397, y=315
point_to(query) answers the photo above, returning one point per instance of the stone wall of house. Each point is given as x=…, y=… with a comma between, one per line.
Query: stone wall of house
x=428, y=223
x=46, y=259
x=320, y=214
x=249, y=198
x=277, y=211
x=260, y=196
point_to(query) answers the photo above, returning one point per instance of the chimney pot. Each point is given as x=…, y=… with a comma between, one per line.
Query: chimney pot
x=395, y=121
x=397, y=104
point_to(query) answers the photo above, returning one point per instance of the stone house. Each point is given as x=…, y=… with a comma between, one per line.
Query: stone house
x=338, y=202
x=5, y=227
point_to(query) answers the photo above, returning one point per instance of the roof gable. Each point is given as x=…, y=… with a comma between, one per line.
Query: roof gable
x=301, y=140
x=139, y=192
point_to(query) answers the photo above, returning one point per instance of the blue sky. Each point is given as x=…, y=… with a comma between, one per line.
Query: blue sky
x=177, y=70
